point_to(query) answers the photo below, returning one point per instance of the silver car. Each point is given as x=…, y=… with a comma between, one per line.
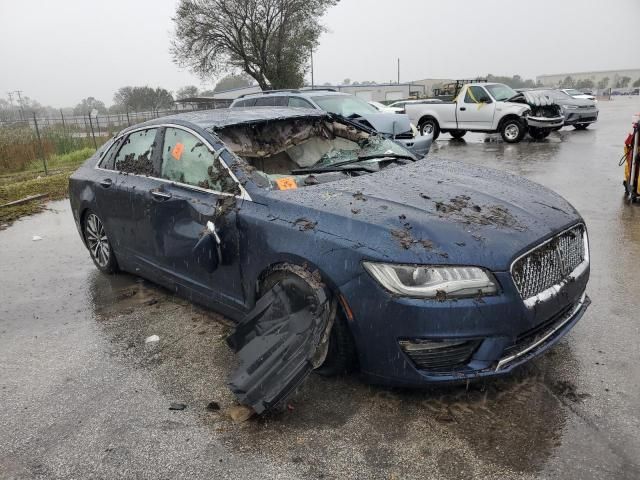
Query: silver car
x=578, y=112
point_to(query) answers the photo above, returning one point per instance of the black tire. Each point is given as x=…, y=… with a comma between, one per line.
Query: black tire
x=512, y=130
x=341, y=355
x=457, y=133
x=97, y=241
x=581, y=126
x=539, y=133
x=429, y=126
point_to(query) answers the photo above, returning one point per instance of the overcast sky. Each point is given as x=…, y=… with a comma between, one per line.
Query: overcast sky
x=61, y=51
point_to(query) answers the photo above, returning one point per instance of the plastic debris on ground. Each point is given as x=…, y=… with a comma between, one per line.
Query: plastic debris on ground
x=279, y=343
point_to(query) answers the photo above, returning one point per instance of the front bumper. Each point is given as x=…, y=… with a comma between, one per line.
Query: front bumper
x=573, y=117
x=419, y=145
x=503, y=332
x=545, y=122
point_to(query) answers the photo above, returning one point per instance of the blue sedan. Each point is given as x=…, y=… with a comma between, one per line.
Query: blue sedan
x=411, y=270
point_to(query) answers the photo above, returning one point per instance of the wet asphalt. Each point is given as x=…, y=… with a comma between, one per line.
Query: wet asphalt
x=83, y=396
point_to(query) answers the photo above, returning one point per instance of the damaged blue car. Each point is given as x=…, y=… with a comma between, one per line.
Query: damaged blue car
x=335, y=249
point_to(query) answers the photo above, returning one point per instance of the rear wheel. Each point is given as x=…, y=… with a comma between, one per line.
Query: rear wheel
x=341, y=354
x=512, y=130
x=581, y=126
x=429, y=126
x=98, y=243
x=457, y=133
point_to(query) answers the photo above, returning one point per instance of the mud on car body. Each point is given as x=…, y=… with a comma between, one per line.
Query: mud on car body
x=432, y=270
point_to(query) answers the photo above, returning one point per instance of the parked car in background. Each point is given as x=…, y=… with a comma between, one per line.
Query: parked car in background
x=390, y=125
x=572, y=92
x=435, y=271
x=490, y=108
x=578, y=112
x=381, y=107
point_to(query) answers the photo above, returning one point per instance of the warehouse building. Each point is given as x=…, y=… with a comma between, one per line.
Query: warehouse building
x=599, y=76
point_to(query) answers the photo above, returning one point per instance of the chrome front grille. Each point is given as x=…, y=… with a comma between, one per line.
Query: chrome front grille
x=550, y=263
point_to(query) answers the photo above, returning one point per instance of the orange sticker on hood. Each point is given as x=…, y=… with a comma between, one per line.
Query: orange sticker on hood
x=177, y=151
x=286, y=183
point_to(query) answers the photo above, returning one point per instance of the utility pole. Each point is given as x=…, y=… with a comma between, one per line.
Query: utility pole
x=19, y=93
x=398, y=71
x=312, y=84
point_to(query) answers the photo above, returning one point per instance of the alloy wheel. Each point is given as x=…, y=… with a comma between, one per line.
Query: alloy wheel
x=512, y=131
x=97, y=240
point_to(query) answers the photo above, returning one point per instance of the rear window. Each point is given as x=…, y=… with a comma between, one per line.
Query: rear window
x=271, y=101
x=136, y=154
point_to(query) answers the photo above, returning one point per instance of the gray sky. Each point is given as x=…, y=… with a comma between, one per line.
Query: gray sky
x=59, y=52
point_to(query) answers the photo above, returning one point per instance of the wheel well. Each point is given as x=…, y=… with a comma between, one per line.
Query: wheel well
x=428, y=117
x=83, y=217
x=506, y=118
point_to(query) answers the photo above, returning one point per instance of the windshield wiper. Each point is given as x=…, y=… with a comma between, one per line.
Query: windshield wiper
x=336, y=166
x=395, y=156
x=342, y=167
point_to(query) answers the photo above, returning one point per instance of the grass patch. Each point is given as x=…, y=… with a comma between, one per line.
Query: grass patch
x=32, y=182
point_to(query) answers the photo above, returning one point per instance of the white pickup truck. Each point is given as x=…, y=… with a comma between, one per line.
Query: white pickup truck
x=489, y=108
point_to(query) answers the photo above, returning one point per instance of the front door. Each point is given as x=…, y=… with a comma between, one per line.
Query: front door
x=190, y=230
x=476, y=110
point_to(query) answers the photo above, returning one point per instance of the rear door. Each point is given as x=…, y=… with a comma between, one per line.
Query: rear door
x=123, y=173
x=190, y=226
x=476, y=110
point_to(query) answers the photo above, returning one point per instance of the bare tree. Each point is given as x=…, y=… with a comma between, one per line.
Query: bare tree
x=187, y=92
x=270, y=40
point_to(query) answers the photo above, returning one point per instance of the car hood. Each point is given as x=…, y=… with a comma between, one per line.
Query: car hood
x=578, y=102
x=387, y=123
x=434, y=211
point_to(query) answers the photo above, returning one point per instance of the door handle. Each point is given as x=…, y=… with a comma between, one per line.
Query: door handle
x=462, y=109
x=106, y=183
x=160, y=195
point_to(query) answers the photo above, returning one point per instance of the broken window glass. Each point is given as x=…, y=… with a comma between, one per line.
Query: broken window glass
x=186, y=159
x=136, y=153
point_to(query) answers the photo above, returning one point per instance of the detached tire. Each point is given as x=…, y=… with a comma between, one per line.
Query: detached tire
x=457, y=133
x=512, y=130
x=429, y=126
x=98, y=243
x=341, y=354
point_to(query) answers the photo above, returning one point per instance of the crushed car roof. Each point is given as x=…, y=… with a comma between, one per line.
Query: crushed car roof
x=225, y=117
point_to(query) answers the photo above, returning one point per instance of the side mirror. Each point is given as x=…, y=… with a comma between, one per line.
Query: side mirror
x=207, y=252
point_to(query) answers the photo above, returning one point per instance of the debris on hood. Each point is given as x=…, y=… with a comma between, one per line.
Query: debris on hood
x=280, y=342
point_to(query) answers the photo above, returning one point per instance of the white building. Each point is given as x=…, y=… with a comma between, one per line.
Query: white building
x=555, y=79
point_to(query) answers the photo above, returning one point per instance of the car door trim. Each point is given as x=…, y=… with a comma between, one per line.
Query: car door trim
x=244, y=195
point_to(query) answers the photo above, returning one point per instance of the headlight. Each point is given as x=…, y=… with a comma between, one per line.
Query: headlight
x=428, y=281
x=570, y=107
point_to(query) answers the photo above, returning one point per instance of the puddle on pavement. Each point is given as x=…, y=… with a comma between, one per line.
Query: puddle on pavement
x=515, y=422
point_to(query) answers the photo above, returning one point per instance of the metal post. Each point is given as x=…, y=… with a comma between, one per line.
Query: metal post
x=398, y=71
x=633, y=168
x=312, y=84
x=92, y=133
x=44, y=160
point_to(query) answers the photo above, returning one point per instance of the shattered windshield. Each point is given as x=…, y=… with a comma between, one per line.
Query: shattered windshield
x=372, y=149
x=345, y=105
x=293, y=153
x=501, y=92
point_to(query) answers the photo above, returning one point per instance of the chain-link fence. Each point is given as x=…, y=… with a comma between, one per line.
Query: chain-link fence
x=26, y=138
